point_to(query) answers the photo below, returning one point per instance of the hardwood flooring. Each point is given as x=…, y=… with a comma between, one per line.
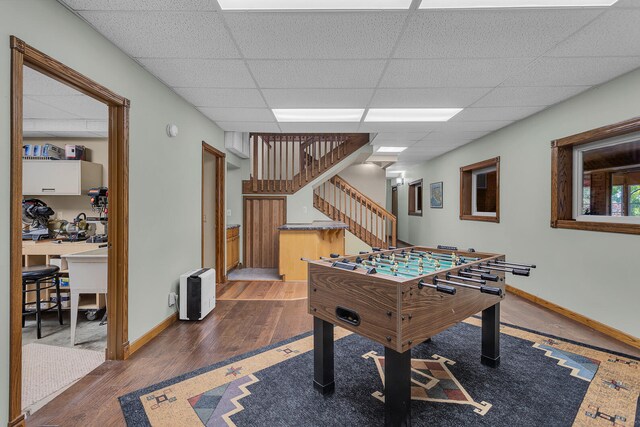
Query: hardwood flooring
x=240, y=324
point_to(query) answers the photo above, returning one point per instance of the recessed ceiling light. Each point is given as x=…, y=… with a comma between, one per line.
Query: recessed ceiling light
x=473, y=4
x=391, y=149
x=312, y=4
x=411, y=114
x=324, y=115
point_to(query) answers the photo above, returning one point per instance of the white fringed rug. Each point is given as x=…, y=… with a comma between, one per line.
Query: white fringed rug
x=48, y=369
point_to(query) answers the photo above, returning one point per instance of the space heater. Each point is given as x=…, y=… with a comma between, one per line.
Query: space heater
x=197, y=294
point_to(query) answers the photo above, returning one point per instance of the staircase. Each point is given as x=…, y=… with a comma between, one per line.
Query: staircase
x=366, y=219
x=285, y=163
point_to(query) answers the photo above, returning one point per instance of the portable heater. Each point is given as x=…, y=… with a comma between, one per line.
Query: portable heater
x=197, y=294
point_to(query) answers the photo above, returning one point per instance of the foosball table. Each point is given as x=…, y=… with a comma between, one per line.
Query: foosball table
x=400, y=298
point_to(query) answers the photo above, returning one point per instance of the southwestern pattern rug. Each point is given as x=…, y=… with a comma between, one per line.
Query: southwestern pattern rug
x=542, y=380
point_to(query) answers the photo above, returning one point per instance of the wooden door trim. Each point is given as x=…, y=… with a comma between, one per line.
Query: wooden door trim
x=220, y=237
x=118, y=259
x=244, y=219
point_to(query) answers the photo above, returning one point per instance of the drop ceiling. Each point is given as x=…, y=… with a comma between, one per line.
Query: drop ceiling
x=500, y=65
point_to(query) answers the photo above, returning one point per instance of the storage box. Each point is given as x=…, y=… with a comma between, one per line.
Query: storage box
x=75, y=152
x=51, y=151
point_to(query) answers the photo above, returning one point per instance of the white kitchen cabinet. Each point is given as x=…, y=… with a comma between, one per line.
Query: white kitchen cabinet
x=59, y=177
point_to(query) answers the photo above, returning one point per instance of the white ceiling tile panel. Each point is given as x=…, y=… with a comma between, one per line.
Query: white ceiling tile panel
x=400, y=126
x=616, y=33
x=628, y=3
x=200, y=72
x=494, y=113
x=451, y=136
x=249, y=126
x=317, y=98
x=417, y=73
x=318, y=127
x=200, y=5
x=316, y=35
x=528, y=96
x=220, y=97
x=572, y=71
x=400, y=136
x=81, y=106
x=427, y=98
x=489, y=33
x=479, y=126
x=34, y=109
x=238, y=114
x=316, y=74
x=165, y=34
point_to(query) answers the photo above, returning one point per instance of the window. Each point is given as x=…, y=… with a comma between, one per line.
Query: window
x=480, y=191
x=607, y=179
x=415, y=198
x=595, y=179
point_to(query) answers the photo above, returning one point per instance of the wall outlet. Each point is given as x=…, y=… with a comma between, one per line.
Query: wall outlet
x=172, y=298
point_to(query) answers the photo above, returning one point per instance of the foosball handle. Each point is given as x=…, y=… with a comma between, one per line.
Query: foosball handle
x=334, y=255
x=446, y=289
x=489, y=277
x=520, y=272
x=491, y=290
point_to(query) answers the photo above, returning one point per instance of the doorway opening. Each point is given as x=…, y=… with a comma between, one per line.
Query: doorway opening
x=47, y=188
x=213, y=211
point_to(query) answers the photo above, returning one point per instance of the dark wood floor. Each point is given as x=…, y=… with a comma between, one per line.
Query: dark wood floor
x=236, y=327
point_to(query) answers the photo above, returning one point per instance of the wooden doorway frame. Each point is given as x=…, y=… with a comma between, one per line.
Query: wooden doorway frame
x=221, y=166
x=118, y=259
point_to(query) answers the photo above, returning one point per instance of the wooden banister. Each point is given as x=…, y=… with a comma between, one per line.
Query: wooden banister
x=340, y=201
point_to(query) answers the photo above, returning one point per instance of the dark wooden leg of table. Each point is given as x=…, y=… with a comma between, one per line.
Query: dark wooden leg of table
x=491, y=336
x=397, y=388
x=323, y=377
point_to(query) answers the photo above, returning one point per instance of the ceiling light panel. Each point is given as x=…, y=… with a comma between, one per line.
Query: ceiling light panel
x=476, y=4
x=325, y=115
x=411, y=114
x=313, y=4
x=391, y=149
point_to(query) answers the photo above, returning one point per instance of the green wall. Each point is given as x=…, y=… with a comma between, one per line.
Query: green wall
x=164, y=172
x=594, y=274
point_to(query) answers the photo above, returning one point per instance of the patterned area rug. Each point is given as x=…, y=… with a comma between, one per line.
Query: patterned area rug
x=47, y=369
x=542, y=380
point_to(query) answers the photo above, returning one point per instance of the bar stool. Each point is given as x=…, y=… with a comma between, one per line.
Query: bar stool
x=43, y=277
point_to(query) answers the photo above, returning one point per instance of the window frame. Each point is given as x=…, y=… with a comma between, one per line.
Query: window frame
x=578, y=152
x=468, y=176
x=562, y=176
x=412, y=198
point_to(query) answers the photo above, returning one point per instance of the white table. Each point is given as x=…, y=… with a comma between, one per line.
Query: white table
x=87, y=275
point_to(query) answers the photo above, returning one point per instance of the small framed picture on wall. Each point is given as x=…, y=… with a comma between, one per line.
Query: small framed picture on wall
x=436, y=195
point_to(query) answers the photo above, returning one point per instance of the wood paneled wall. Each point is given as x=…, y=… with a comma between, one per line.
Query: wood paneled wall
x=262, y=217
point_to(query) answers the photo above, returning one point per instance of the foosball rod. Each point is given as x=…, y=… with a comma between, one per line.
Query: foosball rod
x=384, y=262
x=484, y=289
x=440, y=288
x=484, y=276
x=514, y=271
x=450, y=276
x=440, y=255
x=385, y=267
x=425, y=259
x=513, y=264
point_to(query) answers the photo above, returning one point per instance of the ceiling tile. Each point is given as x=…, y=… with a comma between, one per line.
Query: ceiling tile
x=238, y=114
x=489, y=33
x=37, y=110
x=216, y=97
x=249, y=126
x=451, y=136
x=399, y=126
x=417, y=73
x=627, y=3
x=400, y=136
x=200, y=72
x=494, y=113
x=528, y=96
x=315, y=35
x=199, y=5
x=475, y=126
x=572, y=71
x=317, y=98
x=165, y=34
x=81, y=106
x=427, y=98
x=615, y=33
x=316, y=74
x=319, y=127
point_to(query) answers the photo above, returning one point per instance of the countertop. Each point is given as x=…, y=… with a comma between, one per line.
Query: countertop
x=230, y=226
x=315, y=225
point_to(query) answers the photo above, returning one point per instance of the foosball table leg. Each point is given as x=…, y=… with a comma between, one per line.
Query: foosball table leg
x=397, y=388
x=491, y=336
x=323, y=377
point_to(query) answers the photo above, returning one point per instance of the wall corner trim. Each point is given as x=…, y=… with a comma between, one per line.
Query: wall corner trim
x=594, y=324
